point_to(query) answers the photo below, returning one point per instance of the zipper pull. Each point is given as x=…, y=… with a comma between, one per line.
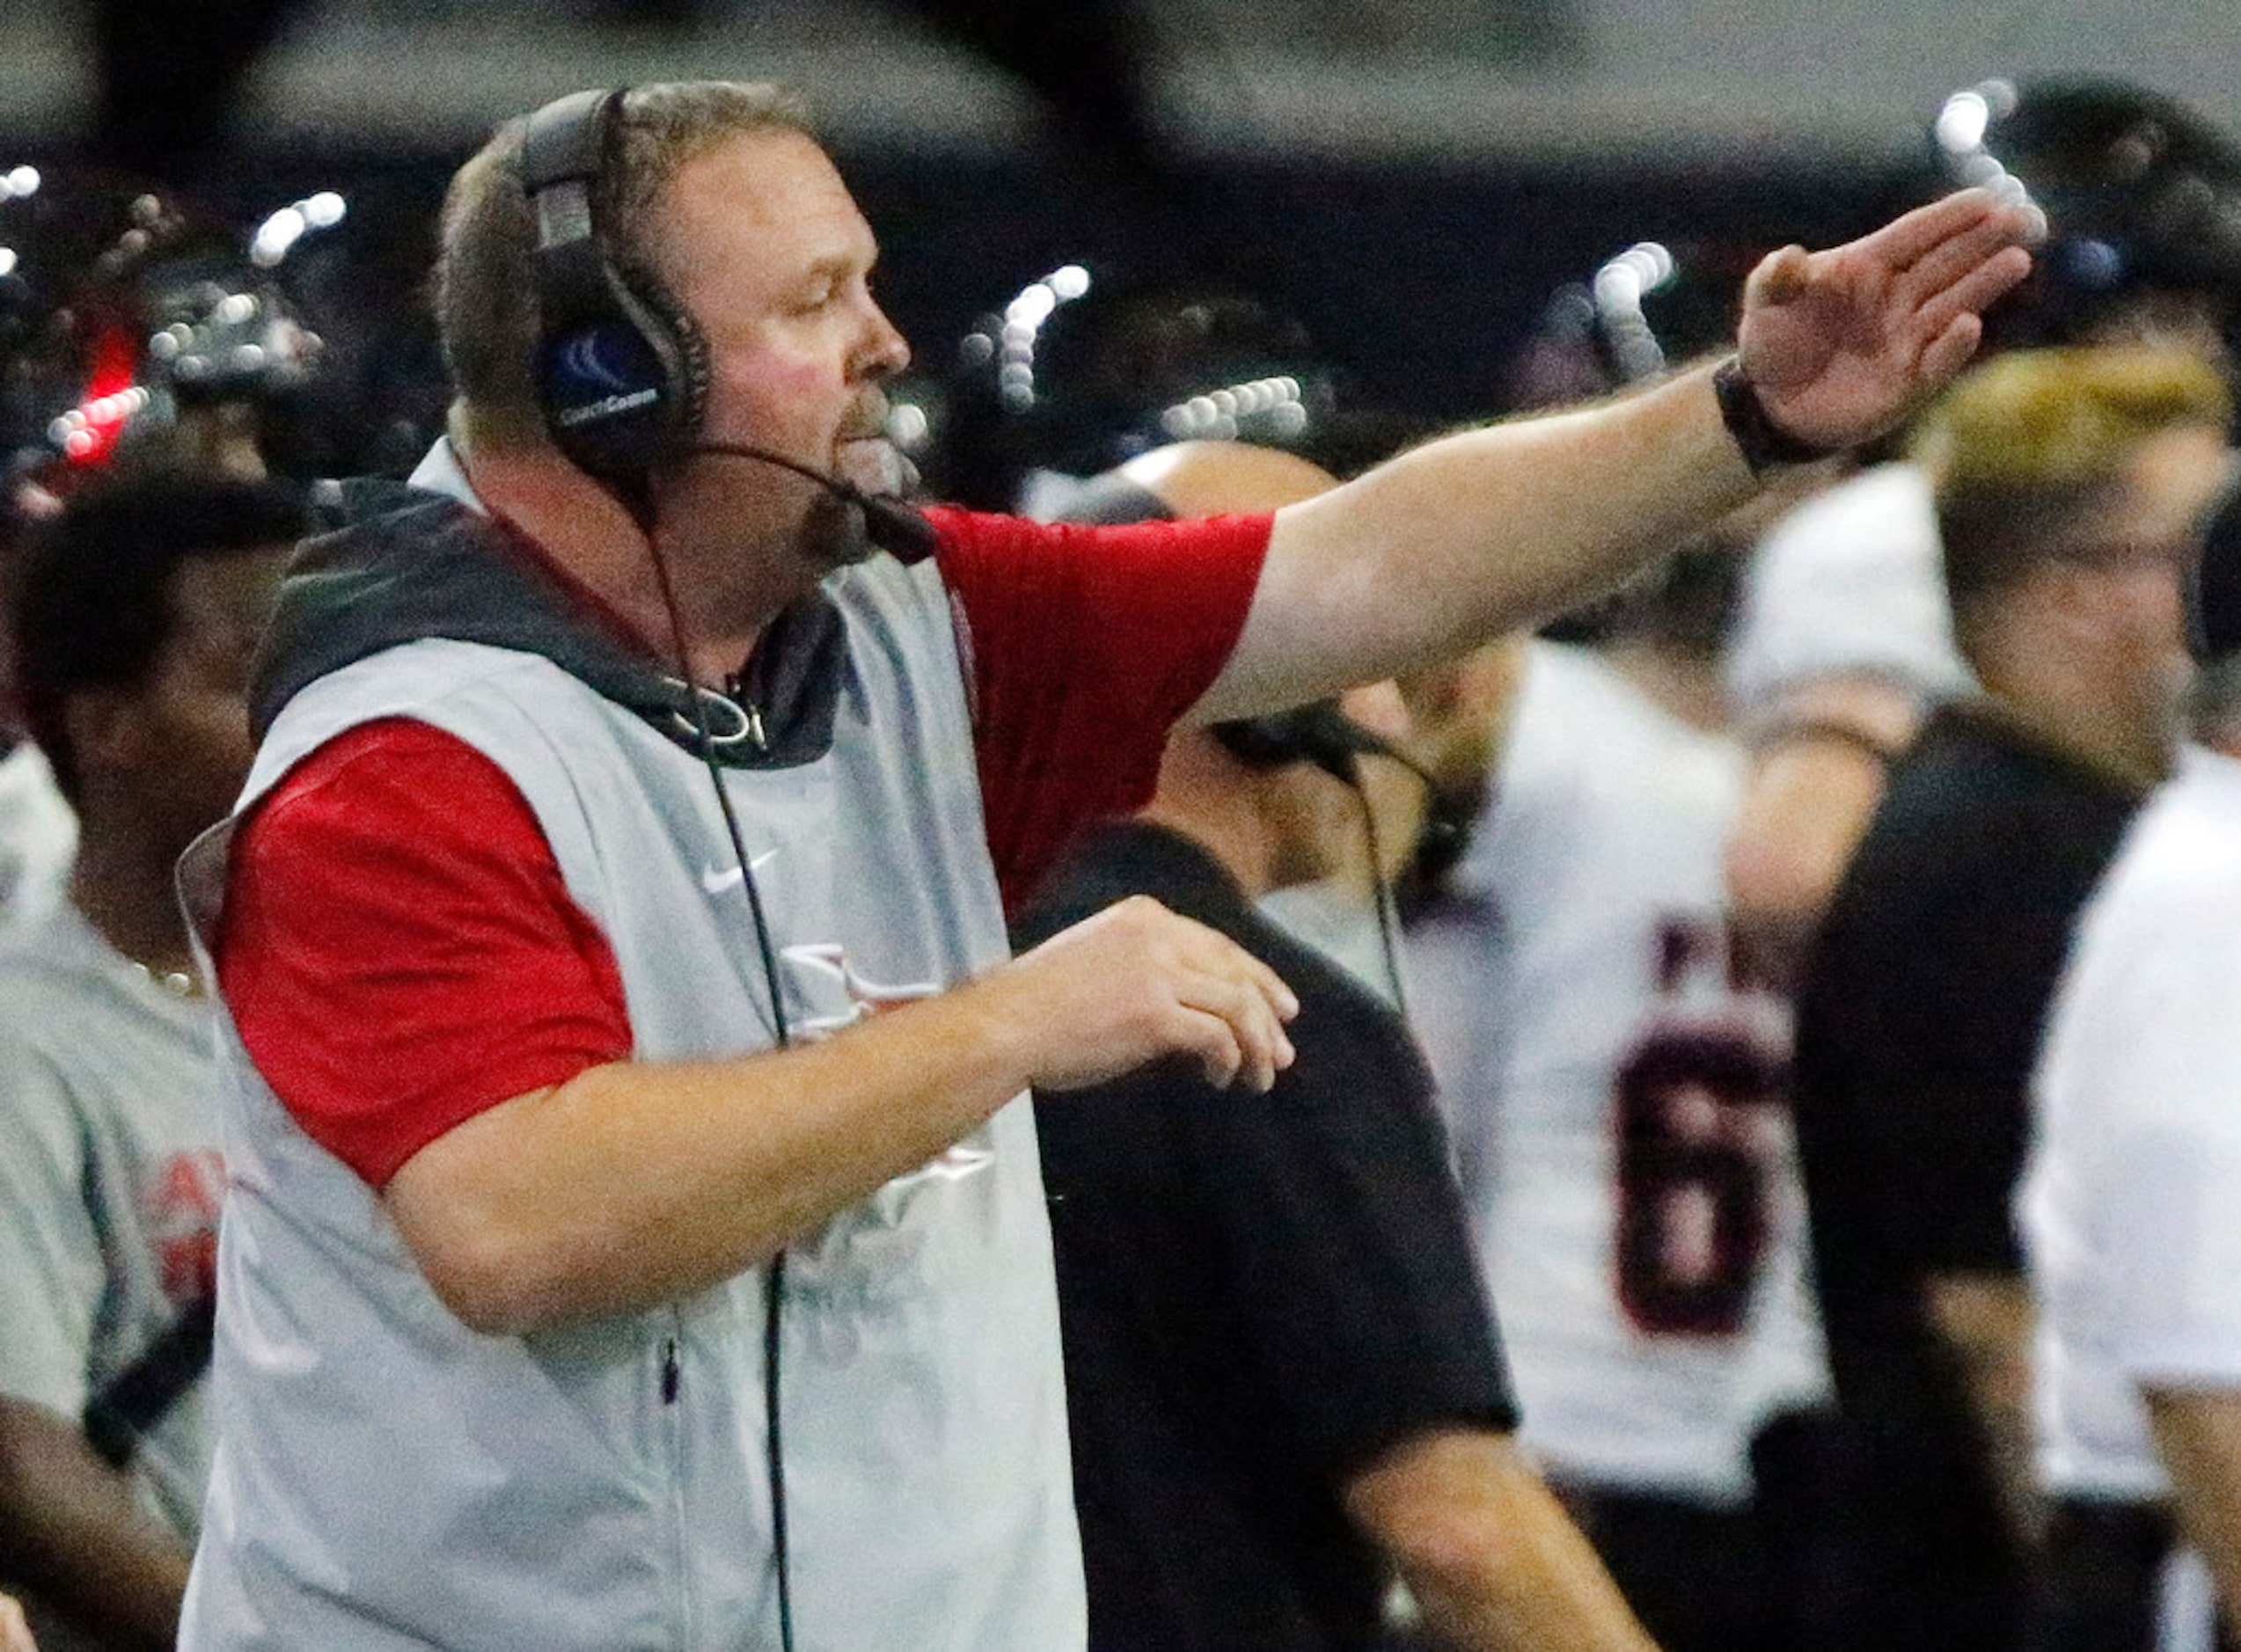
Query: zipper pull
x=755, y=728
x=671, y=1373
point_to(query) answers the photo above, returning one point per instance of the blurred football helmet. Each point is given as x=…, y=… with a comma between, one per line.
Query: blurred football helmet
x=1080, y=372
x=2142, y=198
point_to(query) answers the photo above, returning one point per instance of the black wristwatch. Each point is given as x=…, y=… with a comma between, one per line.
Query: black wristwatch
x=1764, y=444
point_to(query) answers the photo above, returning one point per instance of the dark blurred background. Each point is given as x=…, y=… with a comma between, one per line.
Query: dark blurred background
x=1409, y=178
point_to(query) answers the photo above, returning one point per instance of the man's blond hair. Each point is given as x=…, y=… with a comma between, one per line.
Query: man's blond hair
x=2027, y=452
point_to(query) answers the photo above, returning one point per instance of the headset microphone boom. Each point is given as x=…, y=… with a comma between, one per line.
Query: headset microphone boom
x=889, y=523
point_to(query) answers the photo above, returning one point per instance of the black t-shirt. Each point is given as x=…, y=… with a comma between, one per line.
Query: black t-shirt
x=1259, y=1294
x=1918, y=1026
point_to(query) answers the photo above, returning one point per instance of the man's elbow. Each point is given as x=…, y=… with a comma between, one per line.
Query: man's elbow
x=483, y=1271
x=1443, y=1552
x=498, y=1272
x=1446, y=1509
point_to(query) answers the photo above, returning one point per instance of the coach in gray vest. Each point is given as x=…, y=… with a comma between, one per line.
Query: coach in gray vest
x=635, y=1237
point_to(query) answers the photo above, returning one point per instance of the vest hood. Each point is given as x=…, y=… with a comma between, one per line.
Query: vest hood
x=402, y=564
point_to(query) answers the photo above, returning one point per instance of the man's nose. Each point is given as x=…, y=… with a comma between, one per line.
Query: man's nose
x=886, y=352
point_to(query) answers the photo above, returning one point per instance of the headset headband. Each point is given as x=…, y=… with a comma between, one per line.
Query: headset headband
x=621, y=372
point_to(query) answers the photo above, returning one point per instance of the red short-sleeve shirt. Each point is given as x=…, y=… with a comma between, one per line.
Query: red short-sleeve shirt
x=400, y=950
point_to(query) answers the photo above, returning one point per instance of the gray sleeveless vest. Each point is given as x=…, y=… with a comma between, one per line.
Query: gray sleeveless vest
x=388, y=1477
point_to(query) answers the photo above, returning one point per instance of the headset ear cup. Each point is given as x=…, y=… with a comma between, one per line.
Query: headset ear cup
x=2213, y=585
x=623, y=382
x=621, y=371
x=607, y=394
x=676, y=342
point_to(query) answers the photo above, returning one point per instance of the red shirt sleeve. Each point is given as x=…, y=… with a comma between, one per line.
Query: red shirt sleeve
x=1083, y=645
x=399, y=952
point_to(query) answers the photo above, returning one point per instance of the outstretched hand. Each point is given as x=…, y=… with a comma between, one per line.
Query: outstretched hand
x=1842, y=345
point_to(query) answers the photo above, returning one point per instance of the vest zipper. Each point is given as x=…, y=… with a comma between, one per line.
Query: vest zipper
x=672, y=1382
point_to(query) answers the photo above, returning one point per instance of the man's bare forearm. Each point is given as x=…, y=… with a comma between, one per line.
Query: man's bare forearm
x=1494, y=1562
x=73, y=1532
x=637, y=1183
x=1476, y=534
x=1487, y=531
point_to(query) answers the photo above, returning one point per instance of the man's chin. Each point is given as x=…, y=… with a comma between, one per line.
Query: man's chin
x=872, y=463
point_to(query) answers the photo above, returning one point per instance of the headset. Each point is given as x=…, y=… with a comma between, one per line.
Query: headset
x=1320, y=734
x=2213, y=586
x=621, y=370
x=1317, y=733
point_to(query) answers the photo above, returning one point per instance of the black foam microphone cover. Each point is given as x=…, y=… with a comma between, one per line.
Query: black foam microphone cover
x=2213, y=594
x=1317, y=733
x=893, y=526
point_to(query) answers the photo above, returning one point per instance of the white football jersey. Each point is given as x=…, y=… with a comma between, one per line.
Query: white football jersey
x=1848, y=584
x=2131, y=1204
x=1617, y=1100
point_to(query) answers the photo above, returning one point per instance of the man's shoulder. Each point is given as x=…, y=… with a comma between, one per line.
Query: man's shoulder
x=1349, y=1037
x=1963, y=802
x=1970, y=756
x=1110, y=860
x=79, y=1033
x=56, y=964
x=2174, y=889
x=1117, y=860
x=1958, y=763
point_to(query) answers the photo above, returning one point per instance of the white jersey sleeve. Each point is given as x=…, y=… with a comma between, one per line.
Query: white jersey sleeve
x=1617, y=1100
x=52, y=1279
x=2131, y=1204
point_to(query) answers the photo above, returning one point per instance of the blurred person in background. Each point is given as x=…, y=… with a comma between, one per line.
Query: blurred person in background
x=2131, y=1205
x=2069, y=485
x=1846, y=638
x=138, y=336
x=1080, y=394
x=1616, y=1087
x=1614, y=1080
x=1283, y=1385
x=134, y=613
x=38, y=831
